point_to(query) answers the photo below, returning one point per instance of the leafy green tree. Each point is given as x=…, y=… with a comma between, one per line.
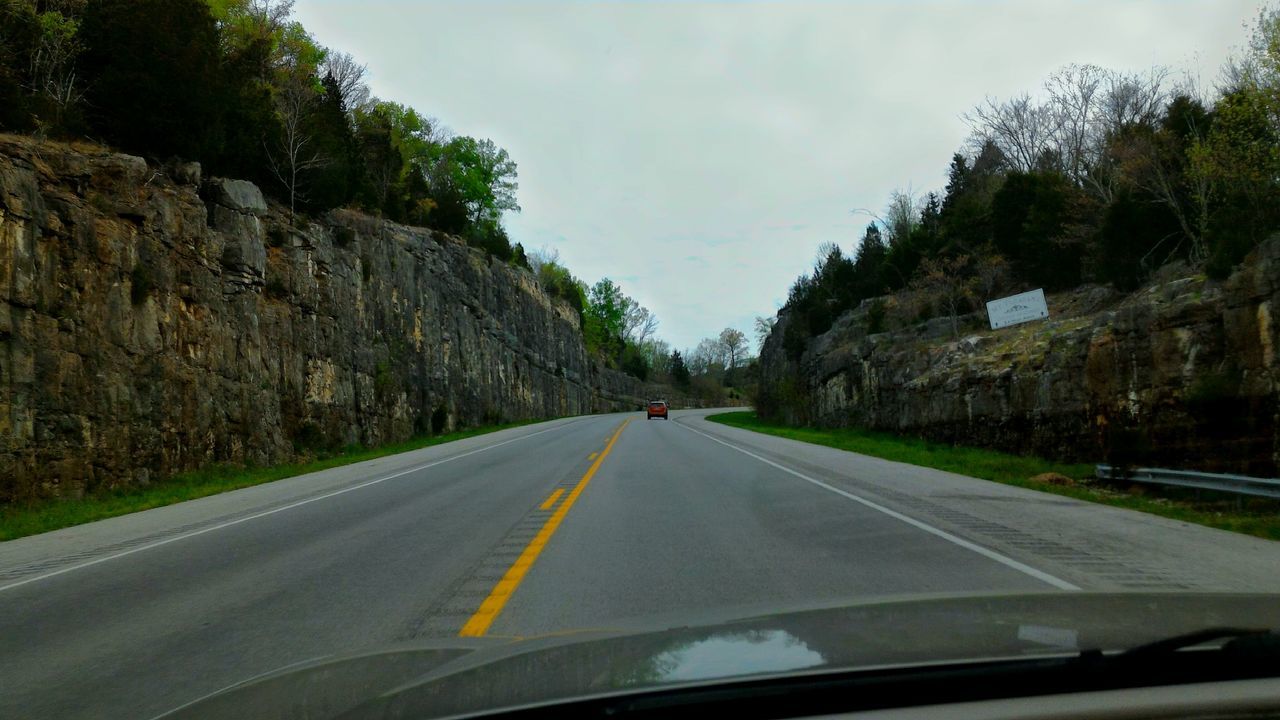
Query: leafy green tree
x=634, y=362
x=605, y=312
x=1240, y=164
x=376, y=140
x=558, y=281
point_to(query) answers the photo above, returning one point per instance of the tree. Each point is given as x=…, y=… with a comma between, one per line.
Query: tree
x=293, y=155
x=638, y=324
x=148, y=67
x=869, y=264
x=710, y=357
x=1020, y=128
x=472, y=180
x=52, y=72
x=349, y=76
x=764, y=328
x=1031, y=214
x=732, y=340
x=948, y=282
x=384, y=165
x=658, y=353
x=1239, y=163
x=1153, y=164
x=901, y=216
x=336, y=181
x=606, y=309
x=634, y=362
x=679, y=371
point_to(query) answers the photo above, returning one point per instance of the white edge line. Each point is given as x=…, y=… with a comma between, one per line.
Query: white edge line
x=985, y=552
x=237, y=521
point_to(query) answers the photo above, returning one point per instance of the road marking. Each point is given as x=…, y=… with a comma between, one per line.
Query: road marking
x=985, y=552
x=592, y=456
x=546, y=504
x=273, y=511
x=488, y=611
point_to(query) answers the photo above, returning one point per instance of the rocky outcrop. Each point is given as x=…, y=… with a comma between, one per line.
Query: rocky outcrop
x=1182, y=373
x=152, y=321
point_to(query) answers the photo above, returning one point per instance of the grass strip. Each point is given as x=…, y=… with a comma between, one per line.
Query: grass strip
x=19, y=520
x=1251, y=516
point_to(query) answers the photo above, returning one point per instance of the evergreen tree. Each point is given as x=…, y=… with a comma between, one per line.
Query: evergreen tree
x=679, y=371
x=152, y=72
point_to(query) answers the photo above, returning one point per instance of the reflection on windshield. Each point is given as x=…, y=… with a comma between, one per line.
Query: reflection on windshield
x=729, y=655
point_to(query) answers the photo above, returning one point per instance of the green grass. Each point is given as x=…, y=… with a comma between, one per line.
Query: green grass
x=1257, y=517
x=40, y=516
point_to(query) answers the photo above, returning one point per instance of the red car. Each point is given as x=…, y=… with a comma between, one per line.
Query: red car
x=658, y=408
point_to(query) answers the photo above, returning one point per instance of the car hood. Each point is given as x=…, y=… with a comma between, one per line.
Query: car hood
x=460, y=676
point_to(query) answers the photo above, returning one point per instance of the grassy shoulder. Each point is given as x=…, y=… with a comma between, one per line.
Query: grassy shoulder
x=42, y=516
x=1249, y=516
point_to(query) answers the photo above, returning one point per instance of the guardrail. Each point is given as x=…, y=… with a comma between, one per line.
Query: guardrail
x=1238, y=484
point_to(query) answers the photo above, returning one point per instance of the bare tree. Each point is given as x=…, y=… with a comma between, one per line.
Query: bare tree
x=291, y=158
x=638, y=324
x=707, y=358
x=1073, y=100
x=950, y=282
x=1134, y=99
x=990, y=275
x=1022, y=129
x=271, y=15
x=733, y=341
x=542, y=256
x=901, y=217
x=763, y=328
x=349, y=75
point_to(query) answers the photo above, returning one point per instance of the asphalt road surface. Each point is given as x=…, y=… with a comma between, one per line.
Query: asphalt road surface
x=607, y=521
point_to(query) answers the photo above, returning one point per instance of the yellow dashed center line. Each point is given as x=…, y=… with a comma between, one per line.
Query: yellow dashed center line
x=489, y=609
x=592, y=456
x=546, y=504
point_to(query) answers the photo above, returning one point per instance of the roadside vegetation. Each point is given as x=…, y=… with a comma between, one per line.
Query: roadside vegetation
x=1098, y=176
x=622, y=333
x=38, y=516
x=243, y=88
x=1257, y=517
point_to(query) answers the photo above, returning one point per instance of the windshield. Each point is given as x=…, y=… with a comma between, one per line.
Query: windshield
x=440, y=344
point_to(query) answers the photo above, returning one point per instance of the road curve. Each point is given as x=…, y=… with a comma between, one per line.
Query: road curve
x=607, y=521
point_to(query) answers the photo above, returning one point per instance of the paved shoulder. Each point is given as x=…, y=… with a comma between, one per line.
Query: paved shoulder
x=1095, y=547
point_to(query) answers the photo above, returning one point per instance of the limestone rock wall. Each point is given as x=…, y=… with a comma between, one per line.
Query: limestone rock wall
x=153, y=321
x=1182, y=373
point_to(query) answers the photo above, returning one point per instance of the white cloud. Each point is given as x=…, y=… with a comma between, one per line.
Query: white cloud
x=702, y=151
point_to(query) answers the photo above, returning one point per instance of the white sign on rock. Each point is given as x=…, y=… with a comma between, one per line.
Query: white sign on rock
x=1015, y=309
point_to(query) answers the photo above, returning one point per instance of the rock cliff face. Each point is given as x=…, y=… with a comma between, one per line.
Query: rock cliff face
x=1182, y=373
x=152, y=321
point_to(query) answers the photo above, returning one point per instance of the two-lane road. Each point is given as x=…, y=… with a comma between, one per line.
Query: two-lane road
x=605, y=521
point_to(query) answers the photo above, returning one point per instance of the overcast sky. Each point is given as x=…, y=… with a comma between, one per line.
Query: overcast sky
x=698, y=153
